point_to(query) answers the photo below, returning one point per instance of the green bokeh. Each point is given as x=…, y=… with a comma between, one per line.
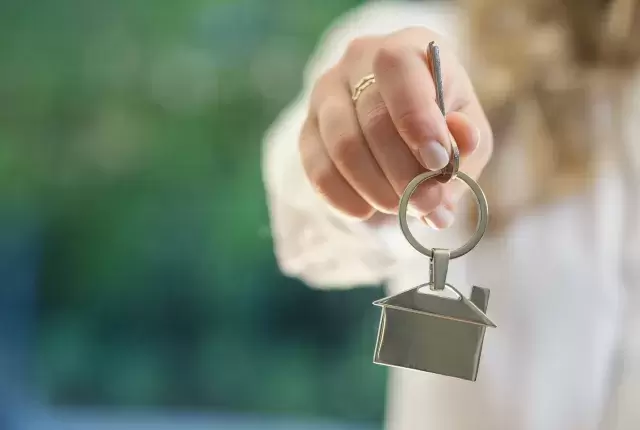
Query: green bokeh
x=132, y=130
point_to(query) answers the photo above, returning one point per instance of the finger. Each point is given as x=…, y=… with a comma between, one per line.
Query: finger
x=325, y=177
x=464, y=132
x=346, y=146
x=467, y=137
x=408, y=90
x=443, y=216
x=395, y=159
x=473, y=133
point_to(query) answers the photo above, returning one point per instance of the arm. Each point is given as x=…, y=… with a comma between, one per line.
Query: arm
x=313, y=241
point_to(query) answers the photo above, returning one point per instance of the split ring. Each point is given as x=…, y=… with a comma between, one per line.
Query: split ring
x=482, y=206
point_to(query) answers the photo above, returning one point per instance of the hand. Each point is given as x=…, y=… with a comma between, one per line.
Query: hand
x=360, y=156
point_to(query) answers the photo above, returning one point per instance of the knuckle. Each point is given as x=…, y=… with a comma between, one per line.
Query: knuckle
x=327, y=183
x=332, y=109
x=321, y=174
x=323, y=84
x=357, y=48
x=345, y=150
x=388, y=56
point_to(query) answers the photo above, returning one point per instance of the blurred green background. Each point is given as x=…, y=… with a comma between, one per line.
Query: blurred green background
x=130, y=136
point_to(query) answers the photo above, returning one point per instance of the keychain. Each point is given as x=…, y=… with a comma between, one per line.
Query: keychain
x=430, y=332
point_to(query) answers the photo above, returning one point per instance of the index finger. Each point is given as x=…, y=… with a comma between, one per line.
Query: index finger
x=408, y=90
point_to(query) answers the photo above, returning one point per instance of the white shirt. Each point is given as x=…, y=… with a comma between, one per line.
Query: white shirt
x=558, y=294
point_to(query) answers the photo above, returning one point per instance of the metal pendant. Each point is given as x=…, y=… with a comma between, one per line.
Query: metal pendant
x=433, y=327
x=427, y=332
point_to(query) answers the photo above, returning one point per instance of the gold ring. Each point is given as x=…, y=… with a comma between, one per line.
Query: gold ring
x=364, y=83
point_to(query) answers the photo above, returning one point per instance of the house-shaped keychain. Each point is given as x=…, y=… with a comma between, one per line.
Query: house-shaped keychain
x=433, y=333
x=424, y=329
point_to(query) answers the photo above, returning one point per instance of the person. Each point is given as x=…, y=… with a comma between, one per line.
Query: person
x=543, y=100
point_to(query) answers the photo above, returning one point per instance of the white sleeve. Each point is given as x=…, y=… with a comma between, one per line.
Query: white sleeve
x=311, y=241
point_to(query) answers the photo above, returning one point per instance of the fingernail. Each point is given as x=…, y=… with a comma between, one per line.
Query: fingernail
x=440, y=218
x=434, y=155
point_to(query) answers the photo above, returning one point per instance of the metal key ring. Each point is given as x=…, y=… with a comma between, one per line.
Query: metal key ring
x=481, y=201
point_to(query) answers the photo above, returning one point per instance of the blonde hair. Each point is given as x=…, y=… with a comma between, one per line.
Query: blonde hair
x=537, y=65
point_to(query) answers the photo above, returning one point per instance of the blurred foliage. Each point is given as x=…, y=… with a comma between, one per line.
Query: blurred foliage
x=131, y=131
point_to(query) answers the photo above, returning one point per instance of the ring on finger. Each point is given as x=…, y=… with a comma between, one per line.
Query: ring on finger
x=362, y=85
